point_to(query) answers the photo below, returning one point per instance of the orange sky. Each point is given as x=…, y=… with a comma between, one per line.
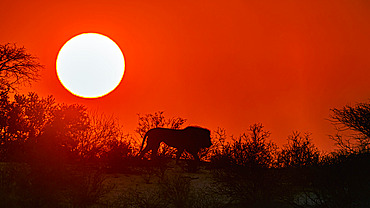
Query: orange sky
x=217, y=63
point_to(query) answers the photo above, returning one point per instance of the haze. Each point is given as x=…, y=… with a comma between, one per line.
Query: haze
x=218, y=64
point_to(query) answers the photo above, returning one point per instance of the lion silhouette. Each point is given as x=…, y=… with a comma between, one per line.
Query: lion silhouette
x=191, y=139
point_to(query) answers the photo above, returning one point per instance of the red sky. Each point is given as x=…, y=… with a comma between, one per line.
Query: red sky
x=217, y=63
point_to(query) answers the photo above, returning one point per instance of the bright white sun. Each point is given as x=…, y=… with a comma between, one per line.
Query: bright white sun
x=90, y=65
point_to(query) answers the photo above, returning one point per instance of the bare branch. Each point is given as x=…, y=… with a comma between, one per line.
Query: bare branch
x=354, y=119
x=17, y=67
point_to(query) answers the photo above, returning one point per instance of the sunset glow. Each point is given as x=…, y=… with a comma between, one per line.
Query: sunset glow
x=225, y=64
x=223, y=103
x=90, y=65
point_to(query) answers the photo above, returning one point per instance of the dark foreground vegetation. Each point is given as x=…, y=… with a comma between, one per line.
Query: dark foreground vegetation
x=64, y=162
x=59, y=155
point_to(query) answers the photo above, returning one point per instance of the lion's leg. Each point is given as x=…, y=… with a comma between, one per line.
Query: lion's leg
x=150, y=146
x=195, y=155
x=178, y=154
x=193, y=165
x=154, y=148
x=145, y=150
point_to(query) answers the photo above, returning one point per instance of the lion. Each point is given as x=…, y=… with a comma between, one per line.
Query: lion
x=191, y=139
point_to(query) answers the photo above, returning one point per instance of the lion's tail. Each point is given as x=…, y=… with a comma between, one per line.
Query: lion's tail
x=142, y=144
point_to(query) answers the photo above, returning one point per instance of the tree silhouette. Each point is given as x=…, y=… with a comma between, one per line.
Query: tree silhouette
x=355, y=119
x=299, y=152
x=16, y=67
x=249, y=150
x=29, y=119
x=23, y=119
x=244, y=168
x=104, y=138
x=150, y=121
x=69, y=122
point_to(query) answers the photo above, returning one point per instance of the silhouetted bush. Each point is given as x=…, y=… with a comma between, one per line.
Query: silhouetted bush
x=299, y=152
x=104, y=136
x=176, y=189
x=343, y=180
x=252, y=151
x=244, y=170
x=23, y=119
x=45, y=137
x=172, y=191
x=86, y=188
x=119, y=156
x=31, y=120
x=156, y=120
x=45, y=185
x=156, y=168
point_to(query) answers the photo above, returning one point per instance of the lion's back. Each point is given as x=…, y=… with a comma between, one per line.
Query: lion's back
x=189, y=138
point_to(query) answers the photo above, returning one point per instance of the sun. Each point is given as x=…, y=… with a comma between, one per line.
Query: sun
x=90, y=65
